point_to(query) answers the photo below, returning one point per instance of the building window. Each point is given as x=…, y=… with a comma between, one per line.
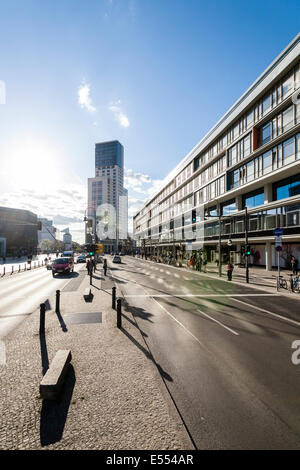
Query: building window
x=286, y=188
x=288, y=151
x=267, y=162
x=287, y=119
x=266, y=134
x=228, y=207
x=266, y=104
x=253, y=199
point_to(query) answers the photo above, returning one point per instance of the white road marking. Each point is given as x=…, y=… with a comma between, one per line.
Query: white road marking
x=198, y=295
x=219, y=323
x=268, y=312
x=180, y=324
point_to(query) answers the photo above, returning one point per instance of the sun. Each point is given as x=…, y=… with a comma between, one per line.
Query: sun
x=32, y=164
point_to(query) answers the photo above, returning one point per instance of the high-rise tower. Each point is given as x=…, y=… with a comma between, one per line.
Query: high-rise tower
x=107, y=197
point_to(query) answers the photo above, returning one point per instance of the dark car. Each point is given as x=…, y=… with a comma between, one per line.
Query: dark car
x=62, y=266
x=117, y=259
x=81, y=259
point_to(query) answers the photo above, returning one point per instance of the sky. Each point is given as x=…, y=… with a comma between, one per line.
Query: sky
x=154, y=74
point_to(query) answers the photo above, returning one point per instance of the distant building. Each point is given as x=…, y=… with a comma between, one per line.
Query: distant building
x=18, y=232
x=107, y=198
x=67, y=239
x=48, y=231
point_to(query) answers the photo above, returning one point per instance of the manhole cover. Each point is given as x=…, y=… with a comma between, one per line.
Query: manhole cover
x=81, y=318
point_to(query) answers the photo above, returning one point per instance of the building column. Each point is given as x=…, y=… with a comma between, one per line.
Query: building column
x=238, y=255
x=239, y=202
x=268, y=196
x=268, y=256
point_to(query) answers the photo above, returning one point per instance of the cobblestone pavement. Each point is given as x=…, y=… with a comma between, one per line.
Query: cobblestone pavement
x=113, y=398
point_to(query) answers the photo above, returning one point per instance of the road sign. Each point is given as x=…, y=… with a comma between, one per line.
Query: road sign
x=278, y=232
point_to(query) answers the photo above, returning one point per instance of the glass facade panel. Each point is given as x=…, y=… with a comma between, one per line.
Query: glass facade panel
x=266, y=134
x=288, y=152
x=253, y=200
x=287, y=188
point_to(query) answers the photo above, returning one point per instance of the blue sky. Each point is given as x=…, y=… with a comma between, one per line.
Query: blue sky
x=154, y=74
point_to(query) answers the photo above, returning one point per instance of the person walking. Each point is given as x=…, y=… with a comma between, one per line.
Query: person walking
x=229, y=271
x=88, y=266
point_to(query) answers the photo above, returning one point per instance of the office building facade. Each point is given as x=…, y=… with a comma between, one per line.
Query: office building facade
x=18, y=232
x=107, y=198
x=247, y=164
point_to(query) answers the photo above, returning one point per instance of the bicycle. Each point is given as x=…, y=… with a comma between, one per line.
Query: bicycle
x=281, y=283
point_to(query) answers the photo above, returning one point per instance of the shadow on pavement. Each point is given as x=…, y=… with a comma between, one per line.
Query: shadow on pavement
x=61, y=321
x=44, y=353
x=54, y=413
x=164, y=374
x=66, y=276
x=137, y=311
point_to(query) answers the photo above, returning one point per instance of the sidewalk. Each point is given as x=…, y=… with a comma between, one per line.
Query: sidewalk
x=259, y=277
x=114, y=397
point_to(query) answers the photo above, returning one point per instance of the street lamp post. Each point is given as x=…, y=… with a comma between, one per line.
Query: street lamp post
x=246, y=243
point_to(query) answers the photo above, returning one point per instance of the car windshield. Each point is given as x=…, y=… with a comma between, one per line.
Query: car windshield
x=61, y=261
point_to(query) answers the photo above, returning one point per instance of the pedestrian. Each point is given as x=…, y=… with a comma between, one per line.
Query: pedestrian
x=94, y=264
x=88, y=266
x=294, y=265
x=229, y=271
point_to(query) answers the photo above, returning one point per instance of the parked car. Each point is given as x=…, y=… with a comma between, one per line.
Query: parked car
x=117, y=259
x=81, y=259
x=62, y=266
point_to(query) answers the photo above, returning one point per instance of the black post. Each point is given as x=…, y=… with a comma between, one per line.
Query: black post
x=57, y=301
x=246, y=242
x=119, y=313
x=91, y=275
x=114, y=298
x=42, y=318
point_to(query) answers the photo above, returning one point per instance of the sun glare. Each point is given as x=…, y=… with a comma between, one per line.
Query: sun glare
x=34, y=165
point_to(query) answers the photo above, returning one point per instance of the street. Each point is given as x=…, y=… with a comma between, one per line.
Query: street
x=21, y=293
x=224, y=353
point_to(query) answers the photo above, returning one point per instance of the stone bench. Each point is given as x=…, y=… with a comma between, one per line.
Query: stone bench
x=87, y=293
x=53, y=380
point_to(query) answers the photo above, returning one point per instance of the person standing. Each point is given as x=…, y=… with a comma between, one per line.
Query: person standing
x=294, y=265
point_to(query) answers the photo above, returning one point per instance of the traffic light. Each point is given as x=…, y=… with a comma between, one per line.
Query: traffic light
x=248, y=250
x=193, y=216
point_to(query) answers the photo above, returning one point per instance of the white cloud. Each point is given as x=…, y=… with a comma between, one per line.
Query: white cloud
x=120, y=116
x=140, y=188
x=84, y=99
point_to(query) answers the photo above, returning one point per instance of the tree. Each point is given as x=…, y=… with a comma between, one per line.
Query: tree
x=46, y=245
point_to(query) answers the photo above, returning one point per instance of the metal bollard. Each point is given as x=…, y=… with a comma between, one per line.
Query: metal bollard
x=19, y=268
x=3, y=274
x=12, y=269
x=25, y=267
x=114, y=298
x=42, y=318
x=119, y=313
x=57, y=301
x=91, y=275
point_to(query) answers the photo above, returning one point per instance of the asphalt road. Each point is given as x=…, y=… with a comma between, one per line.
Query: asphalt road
x=224, y=352
x=22, y=293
